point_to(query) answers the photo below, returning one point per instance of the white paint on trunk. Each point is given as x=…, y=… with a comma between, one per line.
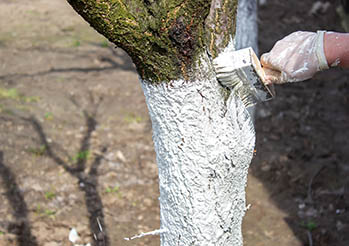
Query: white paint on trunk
x=204, y=146
x=246, y=25
x=246, y=34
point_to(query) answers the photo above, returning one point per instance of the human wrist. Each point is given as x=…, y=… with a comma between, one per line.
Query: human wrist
x=320, y=51
x=336, y=47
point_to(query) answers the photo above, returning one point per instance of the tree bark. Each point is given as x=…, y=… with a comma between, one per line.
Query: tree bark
x=246, y=25
x=204, y=144
x=246, y=34
x=163, y=37
x=203, y=135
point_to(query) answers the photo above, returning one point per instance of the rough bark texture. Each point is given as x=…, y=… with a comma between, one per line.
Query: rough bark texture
x=162, y=36
x=204, y=145
x=220, y=25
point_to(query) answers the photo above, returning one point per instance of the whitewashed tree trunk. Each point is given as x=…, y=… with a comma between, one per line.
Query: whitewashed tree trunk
x=204, y=144
x=204, y=138
x=246, y=34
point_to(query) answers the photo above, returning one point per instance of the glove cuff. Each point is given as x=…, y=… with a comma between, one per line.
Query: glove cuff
x=320, y=52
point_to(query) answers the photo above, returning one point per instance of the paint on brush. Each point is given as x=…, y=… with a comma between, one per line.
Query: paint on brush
x=241, y=72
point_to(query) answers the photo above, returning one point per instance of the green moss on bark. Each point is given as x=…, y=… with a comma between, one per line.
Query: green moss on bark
x=163, y=37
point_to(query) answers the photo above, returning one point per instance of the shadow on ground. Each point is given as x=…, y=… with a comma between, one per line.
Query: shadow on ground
x=86, y=179
x=109, y=64
x=21, y=226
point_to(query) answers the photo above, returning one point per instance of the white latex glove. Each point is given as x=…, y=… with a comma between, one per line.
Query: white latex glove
x=296, y=57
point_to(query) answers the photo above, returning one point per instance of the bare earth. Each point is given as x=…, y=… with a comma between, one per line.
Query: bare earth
x=76, y=148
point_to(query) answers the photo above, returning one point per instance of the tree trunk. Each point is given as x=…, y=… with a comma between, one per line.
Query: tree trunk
x=204, y=144
x=203, y=135
x=246, y=25
x=247, y=30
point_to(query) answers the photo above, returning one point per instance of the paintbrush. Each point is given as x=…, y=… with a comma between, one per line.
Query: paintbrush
x=241, y=72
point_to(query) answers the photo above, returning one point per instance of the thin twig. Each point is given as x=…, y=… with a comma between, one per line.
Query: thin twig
x=143, y=234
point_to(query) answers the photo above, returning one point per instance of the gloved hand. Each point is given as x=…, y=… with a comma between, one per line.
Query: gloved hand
x=296, y=57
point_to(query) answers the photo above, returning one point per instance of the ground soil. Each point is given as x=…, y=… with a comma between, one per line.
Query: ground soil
x=76, y=148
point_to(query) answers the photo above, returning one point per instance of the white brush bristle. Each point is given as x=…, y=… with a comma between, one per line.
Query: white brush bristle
x=240, y=71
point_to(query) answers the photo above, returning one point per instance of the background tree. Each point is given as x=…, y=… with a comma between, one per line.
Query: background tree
x=203, y=135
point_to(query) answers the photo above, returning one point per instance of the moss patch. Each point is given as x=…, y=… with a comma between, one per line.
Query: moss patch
x=163, y=37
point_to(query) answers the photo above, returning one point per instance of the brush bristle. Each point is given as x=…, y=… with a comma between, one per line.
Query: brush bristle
x=241, y=72
x=231, y=79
